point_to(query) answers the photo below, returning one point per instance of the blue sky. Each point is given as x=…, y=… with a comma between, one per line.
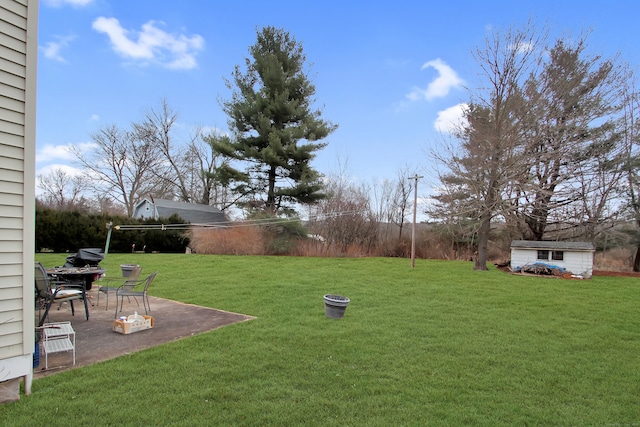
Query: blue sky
x=385, y=72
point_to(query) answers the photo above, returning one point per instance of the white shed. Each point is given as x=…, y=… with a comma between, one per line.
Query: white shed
x=18, y=56
x=576, y=257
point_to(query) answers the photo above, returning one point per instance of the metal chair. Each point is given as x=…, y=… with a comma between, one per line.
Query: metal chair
x=111, y=285
x=135, y=289
x=50, y=291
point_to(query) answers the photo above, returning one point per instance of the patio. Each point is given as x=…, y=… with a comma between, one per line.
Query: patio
x=95, y=340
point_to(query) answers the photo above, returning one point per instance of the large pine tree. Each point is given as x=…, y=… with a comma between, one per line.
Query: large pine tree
x=275, y=127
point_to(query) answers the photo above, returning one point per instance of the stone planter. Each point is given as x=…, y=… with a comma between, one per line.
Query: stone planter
x=335, y=305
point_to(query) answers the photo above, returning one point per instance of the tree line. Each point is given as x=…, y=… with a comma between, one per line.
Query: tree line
x=547, y=150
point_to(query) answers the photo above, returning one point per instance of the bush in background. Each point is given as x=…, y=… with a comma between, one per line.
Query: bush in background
x=67, y=231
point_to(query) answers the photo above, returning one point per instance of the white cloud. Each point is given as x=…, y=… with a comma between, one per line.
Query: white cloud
x=450, y=119
x=52, y=49
x=69, y=170
x=447, y=79
x=51, y=153
x=74, y=3
x=152, y=44
x=522, y=48
x=94, y=118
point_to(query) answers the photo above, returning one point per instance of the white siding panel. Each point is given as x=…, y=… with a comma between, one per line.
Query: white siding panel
x=12, y=346
x=11, y=128
x=10, y=305
x=11, y=270
x=10, y=146
x=9, y=281
x=11, y=258
x=10, y=188
x=17, y=7
x=12, y=67
x=12, y=55
x=16, y=17
x=11, y=199
x=11, y=316
x=10, y=103
x=11, y=116
x=10, y=212
x=12, y=80
x=11, y=163
x=13, y=176
x=12, y=31
x=9, y=234
x=12, y=43
x=8, y=247
x=18, y=75
x=11, y=327
x=11, y=223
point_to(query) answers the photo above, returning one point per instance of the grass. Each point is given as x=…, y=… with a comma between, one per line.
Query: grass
x=436, y=345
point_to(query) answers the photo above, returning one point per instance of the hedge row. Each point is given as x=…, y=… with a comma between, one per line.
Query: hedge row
x=68, y=231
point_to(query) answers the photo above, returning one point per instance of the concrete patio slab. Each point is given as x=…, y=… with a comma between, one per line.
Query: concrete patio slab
x=96, y=341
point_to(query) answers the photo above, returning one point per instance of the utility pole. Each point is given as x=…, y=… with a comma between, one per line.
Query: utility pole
x=413, y=228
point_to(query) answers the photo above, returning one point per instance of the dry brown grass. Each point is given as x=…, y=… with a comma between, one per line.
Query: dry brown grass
x=247, y=240
x=618, y=259
x=252, y=240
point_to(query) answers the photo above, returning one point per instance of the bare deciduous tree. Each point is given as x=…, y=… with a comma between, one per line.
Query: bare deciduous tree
x=119, y=166
x=62, y=190
x=175, y=173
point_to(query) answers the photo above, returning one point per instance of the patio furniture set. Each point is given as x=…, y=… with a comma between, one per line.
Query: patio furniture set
x=70, y=283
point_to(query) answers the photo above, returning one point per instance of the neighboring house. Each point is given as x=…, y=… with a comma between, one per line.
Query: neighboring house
x=576, y=257
x=18, y=58
x=190, y=212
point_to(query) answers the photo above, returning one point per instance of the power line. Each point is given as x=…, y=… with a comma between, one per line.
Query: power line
x=245, y=223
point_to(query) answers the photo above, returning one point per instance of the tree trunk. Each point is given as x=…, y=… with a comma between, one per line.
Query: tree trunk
x=636, y=259
x=480, y=261
x=271, y=191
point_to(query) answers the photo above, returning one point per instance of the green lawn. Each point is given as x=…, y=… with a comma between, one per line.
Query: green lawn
x=436, y=345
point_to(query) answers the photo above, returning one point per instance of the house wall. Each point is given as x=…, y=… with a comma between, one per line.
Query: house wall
x=145, y=210
x=18, y=57
x=577, y=262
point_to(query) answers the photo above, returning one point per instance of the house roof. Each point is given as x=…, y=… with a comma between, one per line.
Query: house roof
x=553, y=245
x=191, y=212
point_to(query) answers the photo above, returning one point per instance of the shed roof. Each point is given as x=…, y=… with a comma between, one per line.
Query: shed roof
x=553, y=245
x=191, y=212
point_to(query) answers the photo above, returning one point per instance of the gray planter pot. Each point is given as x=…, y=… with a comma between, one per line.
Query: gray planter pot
x=335, y=305
x=127, y=269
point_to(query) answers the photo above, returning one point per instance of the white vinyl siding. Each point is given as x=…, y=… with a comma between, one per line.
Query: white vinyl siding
x=18, y=57
x=577, y=262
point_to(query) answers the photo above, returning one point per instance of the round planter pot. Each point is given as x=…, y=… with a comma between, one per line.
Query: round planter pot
x=127, y=269
x=335, y=305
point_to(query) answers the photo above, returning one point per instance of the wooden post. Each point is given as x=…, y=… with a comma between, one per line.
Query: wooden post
x=413, y=228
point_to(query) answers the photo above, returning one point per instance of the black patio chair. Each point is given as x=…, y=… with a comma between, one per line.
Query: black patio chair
x=49, y=291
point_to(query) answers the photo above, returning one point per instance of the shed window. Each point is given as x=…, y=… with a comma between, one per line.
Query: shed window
x=543, y=255
x=557, y=255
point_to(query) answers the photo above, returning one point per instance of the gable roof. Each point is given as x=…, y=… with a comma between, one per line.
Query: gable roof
x=191, y=212
x=553, y=245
